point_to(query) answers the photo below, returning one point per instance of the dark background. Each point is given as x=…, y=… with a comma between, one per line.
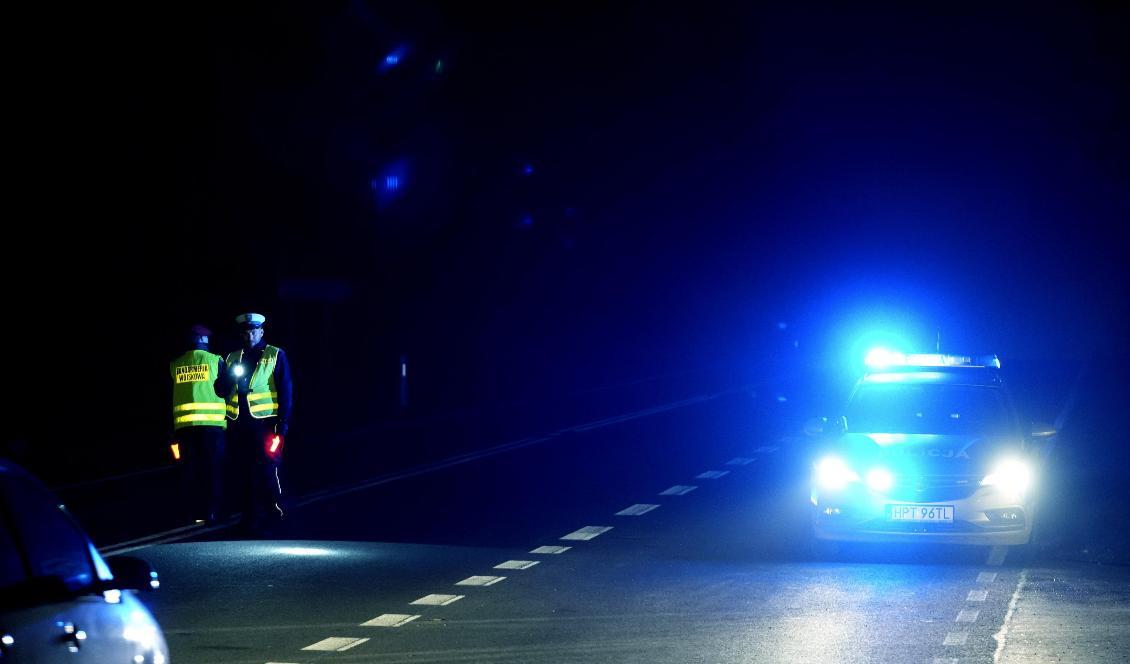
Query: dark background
x=587, y=195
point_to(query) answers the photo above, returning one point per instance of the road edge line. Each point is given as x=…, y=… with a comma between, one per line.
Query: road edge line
x=1002, y=634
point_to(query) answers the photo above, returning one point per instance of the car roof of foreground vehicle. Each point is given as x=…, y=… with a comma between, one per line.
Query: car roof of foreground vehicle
x=13, y=469
x=9, y=466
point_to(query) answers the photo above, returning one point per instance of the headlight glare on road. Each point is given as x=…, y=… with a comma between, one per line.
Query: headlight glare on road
x=1010, y=475
x=880, y=479
x=833, y=473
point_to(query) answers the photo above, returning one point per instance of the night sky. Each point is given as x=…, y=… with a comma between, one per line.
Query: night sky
x=582, y=194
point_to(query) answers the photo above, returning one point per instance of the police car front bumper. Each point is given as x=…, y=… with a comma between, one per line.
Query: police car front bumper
x=986, y=516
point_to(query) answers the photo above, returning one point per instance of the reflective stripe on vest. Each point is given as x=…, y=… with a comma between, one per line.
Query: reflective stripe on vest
x=262, y=395
x=194, y=398
x=187, y=414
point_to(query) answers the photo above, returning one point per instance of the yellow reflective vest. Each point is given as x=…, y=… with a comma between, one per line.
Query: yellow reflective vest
x=262, y=395
x=195, y=402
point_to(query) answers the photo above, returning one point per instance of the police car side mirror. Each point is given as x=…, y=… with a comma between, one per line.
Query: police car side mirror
x=132, y=573
x=1042, y=430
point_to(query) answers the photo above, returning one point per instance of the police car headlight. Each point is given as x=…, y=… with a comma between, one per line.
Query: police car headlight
x=1013, y=476
x=880, y=479
x=833, y=473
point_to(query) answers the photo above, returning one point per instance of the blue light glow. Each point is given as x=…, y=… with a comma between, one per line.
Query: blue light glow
x=390, y=183
x=882, y=358
x=917, y=376
x=393, y=58
x=938, y=360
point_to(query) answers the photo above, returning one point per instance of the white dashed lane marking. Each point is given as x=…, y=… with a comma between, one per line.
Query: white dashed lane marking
x=517, y=564
x=587, y=533
x=390, y=620
x=551, y=549
x=341, y=643
x=956, y=639
x=336, y=644
x=438, y=600
x=977, y=596
x=986, y=577
x=967, y=615
x=636, y=510
x=480, y=581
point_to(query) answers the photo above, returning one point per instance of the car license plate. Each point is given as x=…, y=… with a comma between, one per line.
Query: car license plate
x=931, y=513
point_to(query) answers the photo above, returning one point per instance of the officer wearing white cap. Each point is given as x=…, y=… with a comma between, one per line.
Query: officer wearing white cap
x=199, y=424
x=259, y=390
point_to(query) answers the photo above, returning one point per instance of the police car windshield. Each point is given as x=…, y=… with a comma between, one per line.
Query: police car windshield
x=927, y=409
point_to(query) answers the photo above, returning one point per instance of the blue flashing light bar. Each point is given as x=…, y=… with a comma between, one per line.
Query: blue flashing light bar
x=882, y=358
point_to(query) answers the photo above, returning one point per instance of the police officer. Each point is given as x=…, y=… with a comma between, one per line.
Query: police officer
x=199, y=424
x=259, y=402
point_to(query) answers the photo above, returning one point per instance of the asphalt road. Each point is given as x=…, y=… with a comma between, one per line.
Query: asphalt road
x=451, y=566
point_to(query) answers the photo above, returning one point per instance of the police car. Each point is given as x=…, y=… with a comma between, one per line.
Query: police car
x=60, y=601
x=930, y=447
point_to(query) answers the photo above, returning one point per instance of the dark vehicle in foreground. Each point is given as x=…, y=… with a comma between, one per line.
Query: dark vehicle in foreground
x=930, y=448
x=59, y=599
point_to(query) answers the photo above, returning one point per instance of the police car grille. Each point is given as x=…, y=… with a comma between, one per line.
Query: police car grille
x=934, y=488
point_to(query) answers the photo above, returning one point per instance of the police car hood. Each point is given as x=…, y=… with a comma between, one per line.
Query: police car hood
x=941, y=454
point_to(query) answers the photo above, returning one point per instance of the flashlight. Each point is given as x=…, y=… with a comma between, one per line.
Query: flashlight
x=237, y=370
x=275, y=442
x=175, y=447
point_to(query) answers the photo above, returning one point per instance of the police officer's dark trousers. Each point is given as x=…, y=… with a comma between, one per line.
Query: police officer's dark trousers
x=256, y=472
x=202, y=452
